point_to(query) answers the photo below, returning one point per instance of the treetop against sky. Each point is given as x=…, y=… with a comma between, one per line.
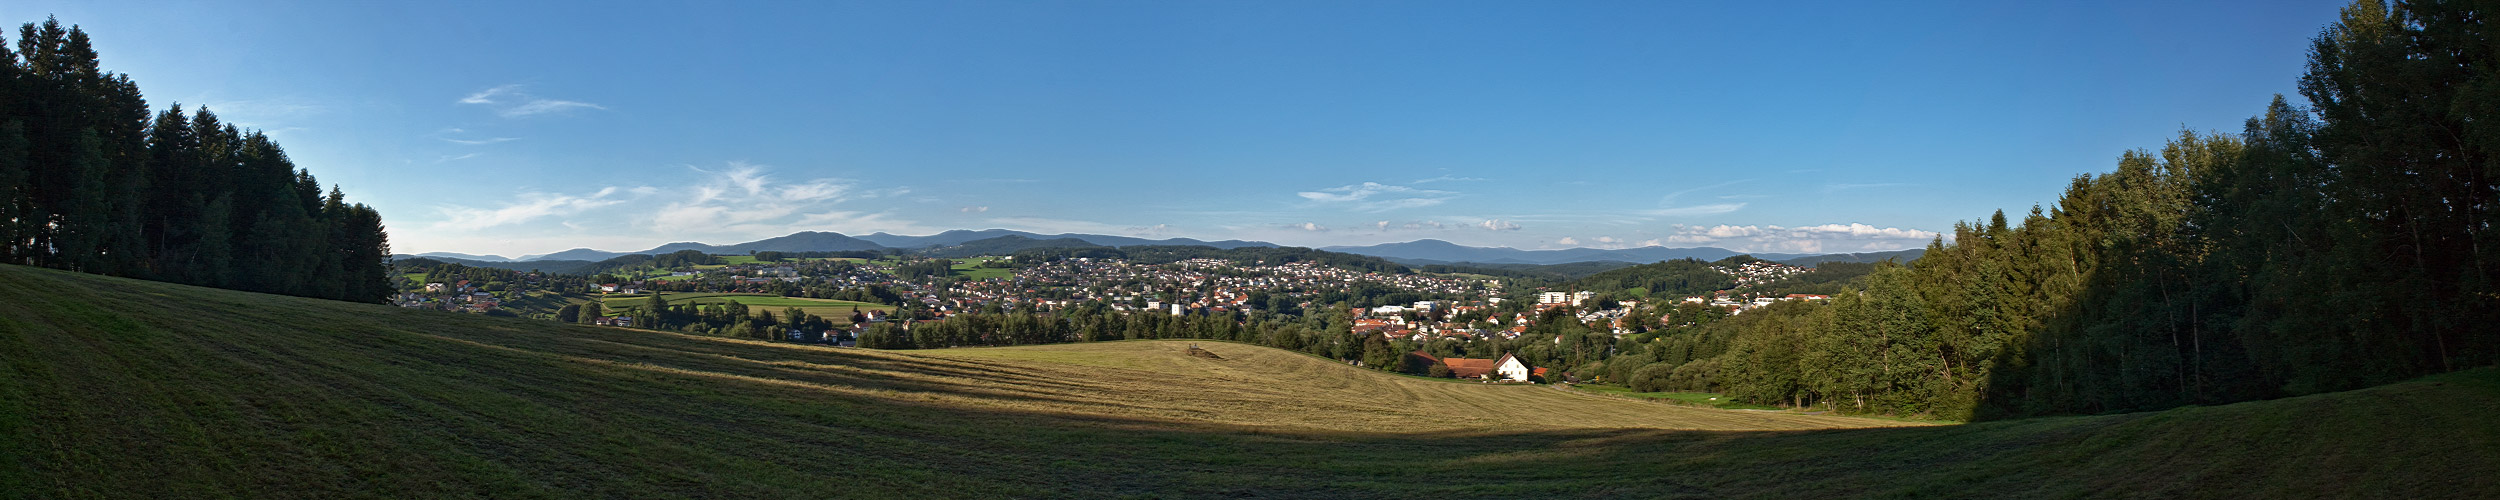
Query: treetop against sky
x=492, y=128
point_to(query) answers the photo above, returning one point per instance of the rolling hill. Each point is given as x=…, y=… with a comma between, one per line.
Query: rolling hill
x=1003, y=245
x=126, y=388
x=962, y=236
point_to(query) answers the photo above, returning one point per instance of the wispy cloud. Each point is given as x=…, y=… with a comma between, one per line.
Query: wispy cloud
x=1497, y=225
x=481, y=142
x=528, y=207
x=974, y=210
x=1377, y=197
x=743, y=199
x=449, y=159
x=509, y=101
x=1853, y=237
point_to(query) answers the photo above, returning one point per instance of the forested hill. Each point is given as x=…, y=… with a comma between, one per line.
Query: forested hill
x=1670, y=278
x=91, y=182
x=2343, y=245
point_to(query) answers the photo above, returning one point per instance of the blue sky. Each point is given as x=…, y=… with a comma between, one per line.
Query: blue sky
x=523, y=129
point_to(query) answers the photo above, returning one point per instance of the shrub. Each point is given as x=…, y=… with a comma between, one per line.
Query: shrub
x=1653, y=377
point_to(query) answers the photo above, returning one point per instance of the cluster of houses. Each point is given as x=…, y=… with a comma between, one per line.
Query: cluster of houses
x=1196, y=285
x=1735, y=304
x=455, y=296
x=1762, y=271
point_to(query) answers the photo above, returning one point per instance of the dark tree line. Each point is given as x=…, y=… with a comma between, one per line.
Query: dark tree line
x=2323, y=249
x=91, y=182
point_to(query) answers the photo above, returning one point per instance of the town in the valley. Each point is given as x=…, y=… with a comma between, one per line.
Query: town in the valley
x=842, y=298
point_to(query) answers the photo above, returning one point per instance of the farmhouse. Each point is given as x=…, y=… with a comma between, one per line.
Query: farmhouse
x=1470, y=367
x=1509, y=368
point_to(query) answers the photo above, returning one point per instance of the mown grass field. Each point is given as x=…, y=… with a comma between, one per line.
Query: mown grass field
x=838, y=311
x=114, y=388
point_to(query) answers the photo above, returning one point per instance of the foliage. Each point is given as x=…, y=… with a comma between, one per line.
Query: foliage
x=1669, y=278
x=2318, y=250
x=90, y=182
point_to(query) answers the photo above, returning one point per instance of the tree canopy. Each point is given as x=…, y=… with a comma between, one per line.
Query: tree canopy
x=91, y=181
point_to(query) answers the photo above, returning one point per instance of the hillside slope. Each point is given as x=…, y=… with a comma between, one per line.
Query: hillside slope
x=121, y=388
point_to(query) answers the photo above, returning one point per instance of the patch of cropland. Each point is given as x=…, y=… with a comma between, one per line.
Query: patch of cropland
x=121, y=388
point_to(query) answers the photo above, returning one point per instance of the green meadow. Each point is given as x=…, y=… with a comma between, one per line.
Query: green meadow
x=971, y=268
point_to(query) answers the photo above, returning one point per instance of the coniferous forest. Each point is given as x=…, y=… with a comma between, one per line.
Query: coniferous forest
x=91, y=181
x=2342, y=245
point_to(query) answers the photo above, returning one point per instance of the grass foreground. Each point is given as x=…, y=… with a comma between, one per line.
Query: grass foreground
x=121, y=388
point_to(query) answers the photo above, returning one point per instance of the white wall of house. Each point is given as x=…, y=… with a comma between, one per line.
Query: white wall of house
x=1511, y=369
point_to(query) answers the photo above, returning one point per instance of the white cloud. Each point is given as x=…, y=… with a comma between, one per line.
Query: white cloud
x=1497, y=225
x=1312, y=227
x=1826, y=238
x=1567, y=240
x=973, y=210
x=488, y=96
x=509, y=101
x=739, y=203
x=480, y=142
x=1606, y=239
x=530, y=206
x=1377, y=197
x=743, y=200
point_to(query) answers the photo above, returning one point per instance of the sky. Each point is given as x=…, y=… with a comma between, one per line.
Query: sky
x=1791, y=127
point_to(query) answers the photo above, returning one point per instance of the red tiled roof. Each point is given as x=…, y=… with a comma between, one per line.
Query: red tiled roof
x=1468, y=367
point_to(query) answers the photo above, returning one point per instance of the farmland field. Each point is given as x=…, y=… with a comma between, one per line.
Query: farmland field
x=971, y=268
x=232, y=394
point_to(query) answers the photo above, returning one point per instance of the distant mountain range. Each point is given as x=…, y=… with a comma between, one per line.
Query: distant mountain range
x=960, y=236
x=963, y=243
